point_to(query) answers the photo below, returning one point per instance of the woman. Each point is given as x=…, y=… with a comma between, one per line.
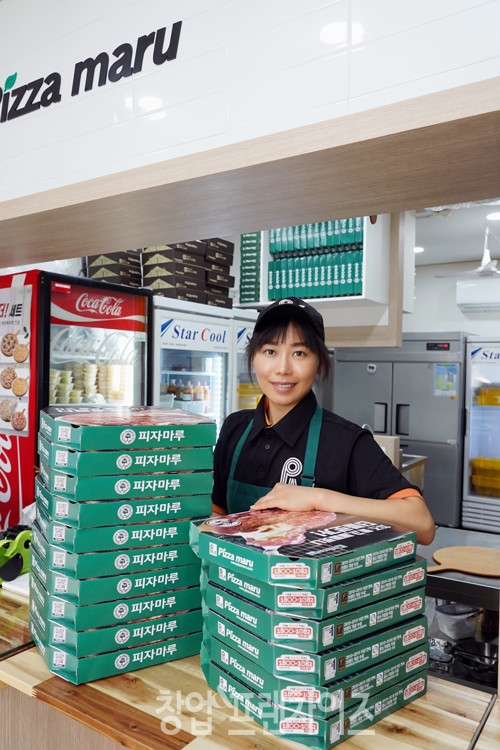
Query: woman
x=291, y=454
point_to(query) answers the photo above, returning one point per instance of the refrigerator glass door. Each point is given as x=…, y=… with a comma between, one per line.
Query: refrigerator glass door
x=97, y=346
x=426, y=401
x=193, y=364
x=362, y=393
x=484, y=423
x=248, y=391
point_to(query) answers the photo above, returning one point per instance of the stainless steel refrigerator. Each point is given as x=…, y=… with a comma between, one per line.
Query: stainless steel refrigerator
x=416, y=392
x=481, y=504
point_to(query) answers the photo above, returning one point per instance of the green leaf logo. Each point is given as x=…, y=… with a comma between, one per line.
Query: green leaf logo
x=9, y=83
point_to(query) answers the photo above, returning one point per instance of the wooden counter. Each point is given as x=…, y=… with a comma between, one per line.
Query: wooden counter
x=129, y=709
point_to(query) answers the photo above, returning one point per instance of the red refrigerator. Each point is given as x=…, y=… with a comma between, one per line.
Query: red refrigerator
x=63, y=340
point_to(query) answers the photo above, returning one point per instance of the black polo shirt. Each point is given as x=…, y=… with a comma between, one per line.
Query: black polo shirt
x=349, y=460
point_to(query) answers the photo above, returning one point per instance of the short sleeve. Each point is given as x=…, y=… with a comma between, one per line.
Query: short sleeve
x=371, y=473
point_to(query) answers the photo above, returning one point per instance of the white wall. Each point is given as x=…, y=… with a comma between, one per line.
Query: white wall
x=435, y=308
x=244, y=68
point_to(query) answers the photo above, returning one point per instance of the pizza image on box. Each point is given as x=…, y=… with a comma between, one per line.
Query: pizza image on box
x=269, y=529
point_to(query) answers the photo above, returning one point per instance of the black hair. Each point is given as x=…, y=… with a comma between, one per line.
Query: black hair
x=275, y=332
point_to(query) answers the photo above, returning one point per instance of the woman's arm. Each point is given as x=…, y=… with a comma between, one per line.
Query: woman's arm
x=409, y=512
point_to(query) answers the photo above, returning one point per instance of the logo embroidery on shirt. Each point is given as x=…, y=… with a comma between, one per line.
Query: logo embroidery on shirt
x=292, y=468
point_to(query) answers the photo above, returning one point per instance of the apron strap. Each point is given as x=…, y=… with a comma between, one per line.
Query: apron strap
x=238, y=449
x=312, y=448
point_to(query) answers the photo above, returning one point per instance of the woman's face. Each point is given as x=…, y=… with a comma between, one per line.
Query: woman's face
x=285, y=371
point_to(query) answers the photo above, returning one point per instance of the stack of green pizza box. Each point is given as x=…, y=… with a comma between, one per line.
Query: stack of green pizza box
x=316, y=634
x=114, y=583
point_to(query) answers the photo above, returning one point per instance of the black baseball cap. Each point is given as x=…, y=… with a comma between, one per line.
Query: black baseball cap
x=291, y=308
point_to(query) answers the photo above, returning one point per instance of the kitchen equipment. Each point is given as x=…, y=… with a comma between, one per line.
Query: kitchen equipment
x=63, y=340
x=481, y=503
x=412, y=468
x=192, y=355
x=483, y=561
x=415, y=392
x=457, y=620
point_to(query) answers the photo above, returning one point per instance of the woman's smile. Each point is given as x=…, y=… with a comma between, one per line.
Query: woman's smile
x=285, y=371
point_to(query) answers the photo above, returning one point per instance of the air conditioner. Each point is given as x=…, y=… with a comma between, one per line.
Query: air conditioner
x=479, y=295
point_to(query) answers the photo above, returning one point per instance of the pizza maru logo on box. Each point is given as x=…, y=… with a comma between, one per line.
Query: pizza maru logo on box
x=125, y=61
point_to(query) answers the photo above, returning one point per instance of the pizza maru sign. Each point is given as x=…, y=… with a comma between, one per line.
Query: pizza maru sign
x=18, y=99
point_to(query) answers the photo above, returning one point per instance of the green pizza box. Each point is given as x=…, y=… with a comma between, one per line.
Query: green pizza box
x=313, y=549
x=321, y=603
x=84, y=669
x=100, y=539
x=128, y=486
x=315, y=733
x=114, y=428
x=308, y=635
x=318, y=669
x=111, y=588
x=113, y=512
x=92, y=463
x=102, y=640
x=322, y=702
x=99, y=564
x=89, y=616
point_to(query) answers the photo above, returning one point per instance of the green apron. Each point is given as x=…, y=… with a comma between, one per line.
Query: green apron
x=240, y=496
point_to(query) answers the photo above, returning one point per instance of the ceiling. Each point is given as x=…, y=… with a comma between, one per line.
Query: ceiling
x=454, y=234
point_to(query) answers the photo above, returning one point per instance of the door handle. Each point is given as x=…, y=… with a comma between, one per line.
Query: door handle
x=402, y=419
x=380, y=417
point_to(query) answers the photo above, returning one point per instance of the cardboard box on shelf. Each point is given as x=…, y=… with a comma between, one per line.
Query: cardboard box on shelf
x=107, y=428
x=217, y=300
x=312, y=549
x=322, y=603
x=318, y=669
x=86, y=616
x=92, y=463
x=94, y=513
x=79, y=670
x=126, y=258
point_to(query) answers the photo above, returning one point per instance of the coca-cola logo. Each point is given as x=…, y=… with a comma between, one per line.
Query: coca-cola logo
x=112, y=306
x=5, y=469
x=72, y=342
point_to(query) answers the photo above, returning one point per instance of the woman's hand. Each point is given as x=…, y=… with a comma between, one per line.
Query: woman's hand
x=288, y=497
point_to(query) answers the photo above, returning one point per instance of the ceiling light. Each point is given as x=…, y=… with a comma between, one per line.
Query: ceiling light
x=495, y=216
x=418, y=249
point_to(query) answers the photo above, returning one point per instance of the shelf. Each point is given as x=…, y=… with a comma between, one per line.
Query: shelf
x=185, y=373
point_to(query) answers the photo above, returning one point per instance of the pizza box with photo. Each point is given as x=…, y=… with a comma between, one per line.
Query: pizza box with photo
x=322, y=702
x=135, y=427
x=106, y=538
x=318, y=734
x=87, y=616
x=312, y=549
x=93, y=513
x=93, y=564
x=320, y=603
x=129, y=486
x=87, y=668
x=101, y=640
x=110, y=588
x=317, y=669
x=309, y=635
x=92, y=463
